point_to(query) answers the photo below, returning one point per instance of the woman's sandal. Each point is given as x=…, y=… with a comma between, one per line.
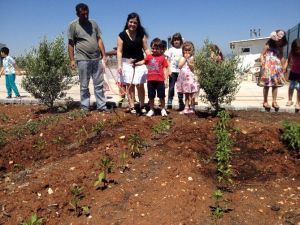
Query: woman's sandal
x=297, y=106
x=289, y=103
x=266, y=105
x=275, y=105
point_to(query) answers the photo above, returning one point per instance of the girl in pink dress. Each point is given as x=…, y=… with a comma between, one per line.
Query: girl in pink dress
x=186, y=82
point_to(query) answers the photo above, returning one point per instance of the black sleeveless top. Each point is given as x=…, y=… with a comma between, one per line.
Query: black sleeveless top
x=132, y=49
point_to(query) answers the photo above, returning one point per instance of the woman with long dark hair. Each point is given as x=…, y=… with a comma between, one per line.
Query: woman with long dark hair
x=131, y=47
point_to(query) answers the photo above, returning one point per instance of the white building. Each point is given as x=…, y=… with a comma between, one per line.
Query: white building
x=249, y=50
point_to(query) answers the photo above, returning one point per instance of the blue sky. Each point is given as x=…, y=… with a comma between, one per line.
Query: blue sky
x=24, y=23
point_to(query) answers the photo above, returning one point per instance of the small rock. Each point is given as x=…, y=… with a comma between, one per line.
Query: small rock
x=244, y=132
x=122, y=137
x=190, y=179
x=275, y=208
x=260, y=210
x=72, y=168
x=11, y=162
x=50, y=191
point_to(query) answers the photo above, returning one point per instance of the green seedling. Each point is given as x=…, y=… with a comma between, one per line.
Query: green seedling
x=33, y=220
x=123, y=159
x=77, y=193
x=223, y=150
x=4, y=117
x=86, y=210
x=291, y=135
x=2, y=137
x=39, y=144
x=77, y=114
x=218, y=210
x=106, y=166
x=163, y=125
x=58, y=140
x=136, y=143
x=33, y=126
x=81, y=134
x=99, y=127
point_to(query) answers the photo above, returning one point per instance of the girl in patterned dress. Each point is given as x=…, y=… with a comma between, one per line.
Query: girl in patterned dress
x=272, y=62
x=186, y=82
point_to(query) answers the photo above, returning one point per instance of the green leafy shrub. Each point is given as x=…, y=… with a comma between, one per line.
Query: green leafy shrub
x=291, y=135
x=217, y=79
x=48, y=72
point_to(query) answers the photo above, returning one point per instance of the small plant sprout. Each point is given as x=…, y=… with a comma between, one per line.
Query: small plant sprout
x=58, y=140
x=33, y=220
x=135, y=143
x=81, y=134
x=4, y=117
x=106, y=168
x=2, y=137
x=123, y=159
x=86, y=210
x=218, y=210
x=163, y=125
x=77, y=195
x=223, y=151
x=99, y=127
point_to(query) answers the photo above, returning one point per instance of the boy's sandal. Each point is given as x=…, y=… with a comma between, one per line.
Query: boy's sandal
x=289, y=103
x=266, y=105
x=275, y=105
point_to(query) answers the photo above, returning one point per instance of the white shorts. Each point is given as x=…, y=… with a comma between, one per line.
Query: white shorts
x=134, y=76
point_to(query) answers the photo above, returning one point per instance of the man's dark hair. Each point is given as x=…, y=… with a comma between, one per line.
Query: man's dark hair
x=81, y=6
x=5, y=50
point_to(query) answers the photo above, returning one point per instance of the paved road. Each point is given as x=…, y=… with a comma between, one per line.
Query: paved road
x=249, y=96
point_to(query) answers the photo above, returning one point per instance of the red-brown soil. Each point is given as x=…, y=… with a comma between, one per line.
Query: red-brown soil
x=171, y=183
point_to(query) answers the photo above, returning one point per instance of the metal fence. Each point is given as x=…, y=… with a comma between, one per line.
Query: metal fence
x=292, y=34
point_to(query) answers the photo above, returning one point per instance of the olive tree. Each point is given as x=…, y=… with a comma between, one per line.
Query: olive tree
x=48, y=74
x=217, y=79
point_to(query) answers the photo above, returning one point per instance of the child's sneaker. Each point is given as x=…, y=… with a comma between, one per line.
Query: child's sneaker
x=164, y=112
x=150, y=113
x=9, y=96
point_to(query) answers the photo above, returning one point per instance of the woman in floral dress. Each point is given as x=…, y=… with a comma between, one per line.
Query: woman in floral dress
x=272, y=62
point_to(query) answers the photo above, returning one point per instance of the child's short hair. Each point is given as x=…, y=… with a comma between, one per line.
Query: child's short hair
x=295, y=47
x=176, y=36
x=155, y=43
x=188, y=44
x=5, y=50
